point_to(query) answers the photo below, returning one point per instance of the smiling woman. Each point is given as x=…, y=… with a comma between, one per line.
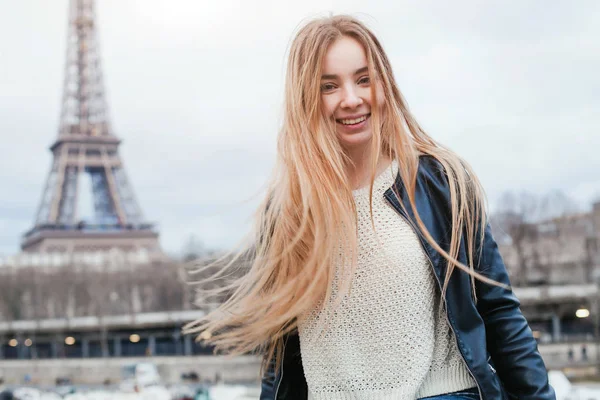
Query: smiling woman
x=375, y=274
x=346, y=94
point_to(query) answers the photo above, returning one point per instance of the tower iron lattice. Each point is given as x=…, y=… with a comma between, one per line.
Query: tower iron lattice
x=86, y=145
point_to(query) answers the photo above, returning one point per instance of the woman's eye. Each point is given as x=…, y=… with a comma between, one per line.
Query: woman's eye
x=364, y=80
x=327, y=87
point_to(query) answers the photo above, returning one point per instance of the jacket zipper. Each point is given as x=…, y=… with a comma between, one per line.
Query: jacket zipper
x=440, y=287
x=281, y=378
x=492, y=368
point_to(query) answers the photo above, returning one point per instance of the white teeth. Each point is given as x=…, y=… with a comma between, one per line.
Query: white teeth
x=353, y=121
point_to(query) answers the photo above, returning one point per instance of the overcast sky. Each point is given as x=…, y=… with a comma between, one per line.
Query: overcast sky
x=195, y=90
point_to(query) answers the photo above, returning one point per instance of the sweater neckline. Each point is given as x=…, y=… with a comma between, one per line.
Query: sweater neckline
x=381, y=183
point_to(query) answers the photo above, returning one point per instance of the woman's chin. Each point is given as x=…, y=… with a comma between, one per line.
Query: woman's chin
x=354, y=140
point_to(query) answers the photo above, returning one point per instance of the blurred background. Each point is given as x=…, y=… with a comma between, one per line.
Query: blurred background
x=179, y=104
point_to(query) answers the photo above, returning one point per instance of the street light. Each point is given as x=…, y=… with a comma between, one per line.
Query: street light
x=582, y=313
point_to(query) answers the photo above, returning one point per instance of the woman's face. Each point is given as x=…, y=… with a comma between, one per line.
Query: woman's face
x=346, y=92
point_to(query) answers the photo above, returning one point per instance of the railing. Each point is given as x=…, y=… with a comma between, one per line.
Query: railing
x=541, y=294
x=57, y=259
x=558, y=355
x=96, y=323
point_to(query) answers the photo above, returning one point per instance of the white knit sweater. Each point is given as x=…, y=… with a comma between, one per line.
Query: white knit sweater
x=388, y=339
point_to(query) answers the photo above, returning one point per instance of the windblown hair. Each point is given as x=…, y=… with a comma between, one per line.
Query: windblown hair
x=309, y=208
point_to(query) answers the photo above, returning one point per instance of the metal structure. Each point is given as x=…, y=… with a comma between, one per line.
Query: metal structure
x=157, y=333
x=87, y=145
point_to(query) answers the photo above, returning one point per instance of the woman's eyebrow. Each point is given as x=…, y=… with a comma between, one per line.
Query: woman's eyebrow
x=358, y=71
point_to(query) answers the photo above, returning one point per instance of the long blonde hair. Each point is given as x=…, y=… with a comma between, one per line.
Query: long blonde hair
x=309, y=206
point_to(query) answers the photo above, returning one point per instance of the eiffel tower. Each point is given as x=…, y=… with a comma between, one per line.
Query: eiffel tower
x=86, y=146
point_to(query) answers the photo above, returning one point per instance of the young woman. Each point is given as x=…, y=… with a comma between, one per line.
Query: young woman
x=375, y=274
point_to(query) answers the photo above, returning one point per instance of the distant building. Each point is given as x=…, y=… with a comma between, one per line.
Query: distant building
x=562, y=250
x=554, y=266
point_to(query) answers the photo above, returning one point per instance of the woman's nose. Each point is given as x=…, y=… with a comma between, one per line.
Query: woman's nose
x=351, y=99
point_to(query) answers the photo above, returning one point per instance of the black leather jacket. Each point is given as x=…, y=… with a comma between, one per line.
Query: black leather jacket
x=493, y=337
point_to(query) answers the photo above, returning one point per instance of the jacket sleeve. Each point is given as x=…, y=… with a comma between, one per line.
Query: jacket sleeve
x=289, y=381
x=510, y=341
x=269, y=380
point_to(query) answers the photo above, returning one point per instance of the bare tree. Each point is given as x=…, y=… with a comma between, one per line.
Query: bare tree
x=515, y=218
x=116, y=287
x=11, y=290
x=538, y=228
